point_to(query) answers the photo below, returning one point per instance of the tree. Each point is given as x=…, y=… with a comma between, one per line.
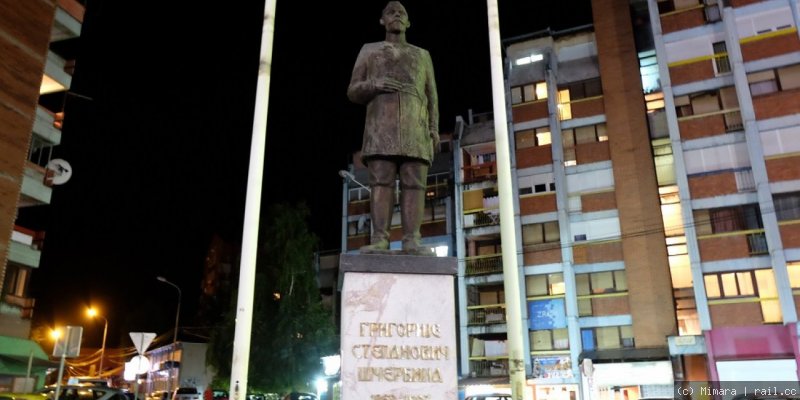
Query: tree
x=291, y=330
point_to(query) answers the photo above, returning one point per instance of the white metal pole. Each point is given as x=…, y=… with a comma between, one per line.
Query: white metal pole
x=247, y=268
x=103, y=348
x=516, y=360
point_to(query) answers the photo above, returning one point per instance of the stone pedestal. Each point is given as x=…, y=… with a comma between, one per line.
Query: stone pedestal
x=398, y=327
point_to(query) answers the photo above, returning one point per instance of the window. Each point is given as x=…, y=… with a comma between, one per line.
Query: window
x=712, y=11
x=532, y=137
x=601, y=282
x=549, y=339
x=584, y=134
x=763, y=82
x=721, y=61
x=794, y=274
x=529, y=92
x=584, y=89
x=729, y=284
x=607, y=337
x=787, y=206
x=544, y=285
x=739, y=218
x=546, y=232
x=16, y=280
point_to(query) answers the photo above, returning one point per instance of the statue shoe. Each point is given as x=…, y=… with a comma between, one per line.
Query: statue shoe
x=380, y=246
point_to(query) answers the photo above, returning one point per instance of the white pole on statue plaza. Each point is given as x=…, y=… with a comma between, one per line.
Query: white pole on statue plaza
x=516, y=360
x=252, y=211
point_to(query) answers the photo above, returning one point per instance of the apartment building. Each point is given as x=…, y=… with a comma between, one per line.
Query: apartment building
x=655, y=158
x=730, y=184
x=38, y=41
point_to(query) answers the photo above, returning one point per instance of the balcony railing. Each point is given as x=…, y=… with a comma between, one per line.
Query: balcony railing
x=482, y=265
x=484, y=368
x=487, y=315
x=482, y=218
x=757, y=243
x=480, y=172
x=24, y=303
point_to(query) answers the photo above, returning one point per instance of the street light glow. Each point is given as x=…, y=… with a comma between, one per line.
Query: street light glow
x=92, y=312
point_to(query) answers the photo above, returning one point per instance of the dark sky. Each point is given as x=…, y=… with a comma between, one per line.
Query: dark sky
x=160, y=153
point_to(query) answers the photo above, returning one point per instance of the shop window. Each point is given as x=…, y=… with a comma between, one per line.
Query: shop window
x=787, y=206
x=529, y=92
x=546, y=232
x=544, y=284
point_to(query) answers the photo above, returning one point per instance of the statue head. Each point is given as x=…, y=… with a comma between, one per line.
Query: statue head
x=395, y=18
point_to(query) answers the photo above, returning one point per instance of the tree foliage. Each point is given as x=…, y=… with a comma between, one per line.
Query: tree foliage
x=290, y=330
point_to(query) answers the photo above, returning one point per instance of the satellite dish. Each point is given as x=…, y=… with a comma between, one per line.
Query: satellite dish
x=62, y=171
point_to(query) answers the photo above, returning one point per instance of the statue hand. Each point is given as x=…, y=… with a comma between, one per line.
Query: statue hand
x=388, y=85
x=435, y=141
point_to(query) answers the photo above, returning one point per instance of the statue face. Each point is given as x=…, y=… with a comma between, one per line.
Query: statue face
x=395, y=18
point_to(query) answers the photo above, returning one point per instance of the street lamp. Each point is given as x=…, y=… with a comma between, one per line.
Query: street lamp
x=175, y=334
x=93, y=313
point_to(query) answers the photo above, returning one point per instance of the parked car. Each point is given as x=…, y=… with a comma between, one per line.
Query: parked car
x=84, y=392
x=493, y=396
x=219, y=394
x=22, y=396
x=301, y=396
x=158, y=395
x=187, y=393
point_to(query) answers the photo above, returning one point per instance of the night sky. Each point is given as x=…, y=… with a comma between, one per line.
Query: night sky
x=160, y=152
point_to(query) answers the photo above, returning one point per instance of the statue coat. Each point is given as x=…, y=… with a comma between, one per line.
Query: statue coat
x=401, y=123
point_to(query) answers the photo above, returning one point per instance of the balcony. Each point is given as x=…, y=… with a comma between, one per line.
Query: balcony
x=56, y=78
x=487, y=314
x=35, y=191
x=777, y=104
x=770, y=44
x=68, y=20
x=534, y=156
x=47, y=126
x=483, y=265
x=710, y=124
x=721, y=183
x=480, y=172
x=529, y=111
x=487, y=367
x=481, y=218
x=23, y=304
x=732, y=245
x=24, y=248
x=689, y=17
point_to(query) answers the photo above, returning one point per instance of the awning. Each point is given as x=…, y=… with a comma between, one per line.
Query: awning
x=16, y=353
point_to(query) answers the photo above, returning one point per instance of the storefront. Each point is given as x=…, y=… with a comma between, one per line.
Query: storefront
x=753, y=353
x=628, y=380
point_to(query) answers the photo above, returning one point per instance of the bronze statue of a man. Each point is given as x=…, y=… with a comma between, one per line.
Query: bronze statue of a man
x=395, y=80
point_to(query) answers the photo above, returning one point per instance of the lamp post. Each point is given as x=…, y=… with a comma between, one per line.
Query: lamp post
x=93, y=313
x=175, y=333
